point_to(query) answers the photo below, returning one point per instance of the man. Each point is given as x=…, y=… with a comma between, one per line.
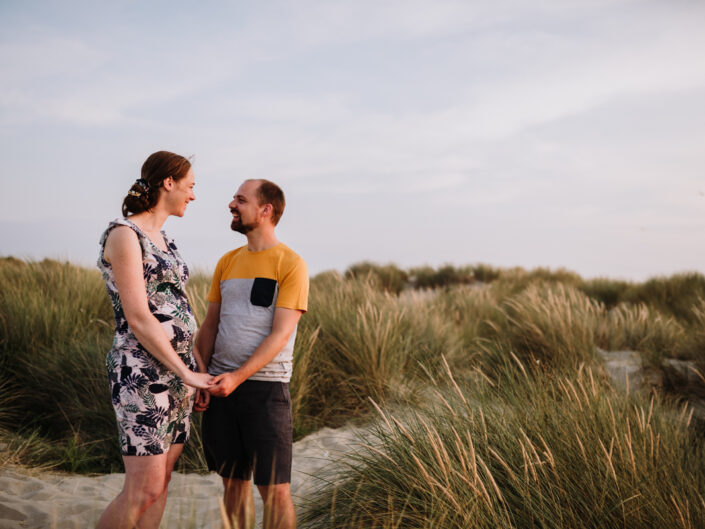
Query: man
x=257, y=296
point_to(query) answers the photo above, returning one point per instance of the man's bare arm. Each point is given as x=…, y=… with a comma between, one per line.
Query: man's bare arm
x=205, y=341
x=285, y=321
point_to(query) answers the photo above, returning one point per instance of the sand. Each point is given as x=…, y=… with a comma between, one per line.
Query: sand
x=31, y=500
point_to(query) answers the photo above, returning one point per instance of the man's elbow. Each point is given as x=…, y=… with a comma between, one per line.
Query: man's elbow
x=281, y=338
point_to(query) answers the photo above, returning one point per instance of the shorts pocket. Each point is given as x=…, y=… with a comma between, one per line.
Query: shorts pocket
x=281, y=393
x=262, y=293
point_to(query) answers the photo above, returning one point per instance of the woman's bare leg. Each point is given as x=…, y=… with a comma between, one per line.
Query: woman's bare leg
x=153, y=515
x=144, y=484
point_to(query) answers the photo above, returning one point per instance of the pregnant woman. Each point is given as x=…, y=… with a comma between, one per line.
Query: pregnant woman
x=152, y=366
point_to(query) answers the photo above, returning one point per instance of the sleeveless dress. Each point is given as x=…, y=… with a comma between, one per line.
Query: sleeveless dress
x=152, y=404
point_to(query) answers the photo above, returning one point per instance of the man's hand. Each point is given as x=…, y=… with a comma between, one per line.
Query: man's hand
x=224, y=385
x=203, y=399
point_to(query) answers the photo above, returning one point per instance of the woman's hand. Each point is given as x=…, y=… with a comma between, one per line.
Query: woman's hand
x=197, y=380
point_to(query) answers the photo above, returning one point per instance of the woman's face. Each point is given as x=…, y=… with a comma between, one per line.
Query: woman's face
x=180, y=194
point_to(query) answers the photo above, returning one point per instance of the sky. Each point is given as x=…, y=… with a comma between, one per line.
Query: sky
x=563, y=134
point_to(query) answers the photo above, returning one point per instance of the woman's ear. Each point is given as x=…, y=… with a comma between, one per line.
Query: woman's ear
x=168, y=183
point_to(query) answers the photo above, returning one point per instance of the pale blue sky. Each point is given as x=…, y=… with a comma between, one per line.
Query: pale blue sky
x=562, y=133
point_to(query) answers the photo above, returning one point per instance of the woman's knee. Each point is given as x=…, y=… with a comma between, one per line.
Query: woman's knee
x=145, y=478
x=146, y=494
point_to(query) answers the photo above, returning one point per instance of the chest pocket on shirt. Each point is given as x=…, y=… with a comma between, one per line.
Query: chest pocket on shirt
x=262, y=293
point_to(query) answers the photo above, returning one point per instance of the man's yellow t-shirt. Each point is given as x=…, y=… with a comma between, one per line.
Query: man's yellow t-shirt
x=249, y=286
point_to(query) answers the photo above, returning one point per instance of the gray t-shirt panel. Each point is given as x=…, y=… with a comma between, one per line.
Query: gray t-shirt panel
x=242, y=327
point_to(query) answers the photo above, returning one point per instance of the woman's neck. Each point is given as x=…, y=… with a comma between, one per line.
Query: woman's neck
x=150, y=221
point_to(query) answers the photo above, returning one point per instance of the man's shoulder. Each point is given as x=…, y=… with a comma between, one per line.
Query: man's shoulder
x=289, y=258
x=232, y=254
x=289, y=253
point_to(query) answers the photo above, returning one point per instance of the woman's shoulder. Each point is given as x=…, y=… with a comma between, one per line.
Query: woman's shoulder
x=120, y=230
x=119, y=238
x=121, y=224
x=126, y=223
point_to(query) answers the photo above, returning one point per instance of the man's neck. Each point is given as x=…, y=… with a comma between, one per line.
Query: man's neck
x=258, y=241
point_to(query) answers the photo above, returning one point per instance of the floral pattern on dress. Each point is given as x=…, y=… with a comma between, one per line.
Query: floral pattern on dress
x=152, y=404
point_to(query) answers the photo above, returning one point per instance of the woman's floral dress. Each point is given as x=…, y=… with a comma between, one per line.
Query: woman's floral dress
x=152, y=404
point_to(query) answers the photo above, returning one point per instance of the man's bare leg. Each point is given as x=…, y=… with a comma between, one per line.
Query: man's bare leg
x=239, y=503
x=278, y=506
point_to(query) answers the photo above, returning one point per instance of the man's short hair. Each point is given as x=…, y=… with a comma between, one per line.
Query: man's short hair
x=270, y=193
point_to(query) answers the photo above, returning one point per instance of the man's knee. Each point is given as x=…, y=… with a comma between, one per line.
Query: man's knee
x=237, y=488
x=275, y=494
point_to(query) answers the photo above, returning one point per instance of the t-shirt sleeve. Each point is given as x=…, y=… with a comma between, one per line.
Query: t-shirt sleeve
x=214, y=292
x=293, y=287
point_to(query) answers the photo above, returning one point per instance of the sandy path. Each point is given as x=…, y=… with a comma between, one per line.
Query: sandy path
x=49, y=500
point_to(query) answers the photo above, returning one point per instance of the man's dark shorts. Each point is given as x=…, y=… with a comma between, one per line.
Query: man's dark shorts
x=250, y=429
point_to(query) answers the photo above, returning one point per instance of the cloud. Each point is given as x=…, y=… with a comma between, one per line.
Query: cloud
x=577, y=115
x=102, y=79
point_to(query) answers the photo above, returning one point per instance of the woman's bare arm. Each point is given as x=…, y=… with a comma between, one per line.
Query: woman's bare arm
x=123, y=252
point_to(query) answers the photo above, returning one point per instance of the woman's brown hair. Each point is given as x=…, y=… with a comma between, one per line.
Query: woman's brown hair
x=144, y=193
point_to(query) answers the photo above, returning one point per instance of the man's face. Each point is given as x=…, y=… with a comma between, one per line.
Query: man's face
x=245, y=208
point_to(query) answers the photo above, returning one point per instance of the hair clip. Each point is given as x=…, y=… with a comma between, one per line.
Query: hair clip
x=142, y=184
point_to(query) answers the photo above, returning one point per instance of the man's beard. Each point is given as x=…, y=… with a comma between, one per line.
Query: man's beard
x=238, y=226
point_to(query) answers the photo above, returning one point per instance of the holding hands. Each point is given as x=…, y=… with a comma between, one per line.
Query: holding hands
x=219, y=386
x=224, y=384
x=203, y=384
x=203, y=399
x=198, y=380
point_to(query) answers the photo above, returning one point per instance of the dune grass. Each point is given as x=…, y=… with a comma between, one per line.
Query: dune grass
x=56, y=327
x=54, y=323
x=523, y=451
x=642, y=328
x=368, y=343
x=553, y=443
